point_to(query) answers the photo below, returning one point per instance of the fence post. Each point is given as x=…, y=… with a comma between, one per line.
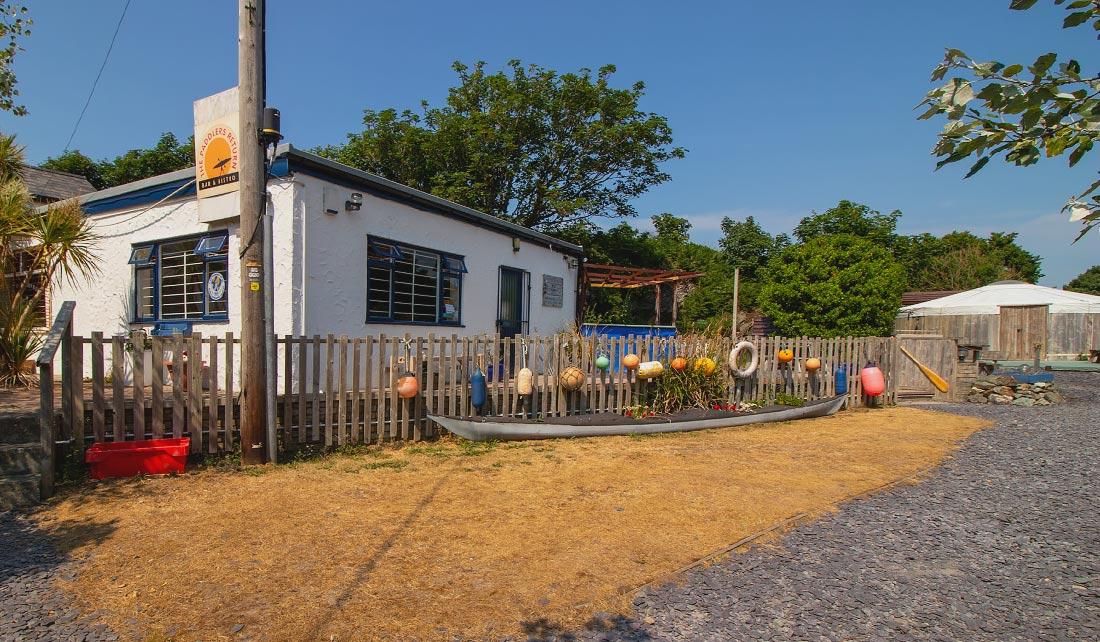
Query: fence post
x=60, y=334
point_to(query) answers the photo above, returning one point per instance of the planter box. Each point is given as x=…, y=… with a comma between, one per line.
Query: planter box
x=131, y=458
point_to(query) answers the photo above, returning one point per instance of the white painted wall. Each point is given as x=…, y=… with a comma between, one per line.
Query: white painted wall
x=336, y=265
x=319, y=263
x=105, y=301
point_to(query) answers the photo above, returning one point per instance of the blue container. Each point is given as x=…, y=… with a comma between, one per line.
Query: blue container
x=625, y=331
x=841, y=380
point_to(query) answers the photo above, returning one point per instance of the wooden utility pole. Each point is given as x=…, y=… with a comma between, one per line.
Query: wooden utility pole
x=253, y=198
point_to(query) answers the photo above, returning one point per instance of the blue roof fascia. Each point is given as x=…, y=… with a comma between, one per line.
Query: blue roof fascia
x=138, y=197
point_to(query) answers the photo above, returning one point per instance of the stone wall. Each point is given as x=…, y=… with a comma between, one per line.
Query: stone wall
x=1004, y=390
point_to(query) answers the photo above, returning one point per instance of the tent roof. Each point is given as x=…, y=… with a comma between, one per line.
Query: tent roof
x=990, y=298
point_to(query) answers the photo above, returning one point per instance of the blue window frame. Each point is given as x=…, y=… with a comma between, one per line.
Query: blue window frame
x=410, y=284
x=183, y=279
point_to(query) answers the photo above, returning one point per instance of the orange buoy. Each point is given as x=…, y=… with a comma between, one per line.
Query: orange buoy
x=785, y=355
x=679, y=363
x=813, y=363
x=407, y=386
x=631, y=361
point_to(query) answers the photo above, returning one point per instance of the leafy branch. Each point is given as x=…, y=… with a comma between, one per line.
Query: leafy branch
x=994, y=109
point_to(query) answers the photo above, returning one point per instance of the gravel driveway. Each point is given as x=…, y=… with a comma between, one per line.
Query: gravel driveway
x=1000, y=543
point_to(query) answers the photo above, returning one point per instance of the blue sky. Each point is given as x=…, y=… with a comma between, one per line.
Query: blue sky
x=785, y=108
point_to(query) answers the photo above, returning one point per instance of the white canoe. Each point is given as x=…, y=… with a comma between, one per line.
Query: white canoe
x=601, y=424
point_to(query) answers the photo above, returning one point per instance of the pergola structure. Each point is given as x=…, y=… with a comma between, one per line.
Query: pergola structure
x=615, y=276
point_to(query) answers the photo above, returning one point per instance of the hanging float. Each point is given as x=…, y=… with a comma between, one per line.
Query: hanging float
x=874, y=383
x=572, y=378
x=524, y=378
x=650, y=370
x=735, y=357
x=477, y=387
x=407, y=385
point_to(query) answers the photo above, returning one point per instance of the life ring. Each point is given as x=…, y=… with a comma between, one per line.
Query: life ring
x=736, y=353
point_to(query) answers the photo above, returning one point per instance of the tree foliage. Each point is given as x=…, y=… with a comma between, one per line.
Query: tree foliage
x=1021, y=113
x=747, y=246
x=1087, y=282
x=850, y=218
x=542, y=149
x=14, y=26
x=962, y=261
x=168, y=155
x=35, y=251
x=834, y=285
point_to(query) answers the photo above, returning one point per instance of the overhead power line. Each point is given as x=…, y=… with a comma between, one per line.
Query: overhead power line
x=97, y=76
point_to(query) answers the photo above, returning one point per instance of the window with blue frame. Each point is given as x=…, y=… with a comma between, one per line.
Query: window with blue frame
x=408, y=284
x=182, y=279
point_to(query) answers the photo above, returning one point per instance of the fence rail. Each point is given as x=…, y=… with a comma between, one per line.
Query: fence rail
x=342, y=390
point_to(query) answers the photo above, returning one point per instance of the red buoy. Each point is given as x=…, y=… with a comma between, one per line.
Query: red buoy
x=874, y=384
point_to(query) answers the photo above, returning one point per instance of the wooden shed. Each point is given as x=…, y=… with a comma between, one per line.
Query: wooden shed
x=1011, y=318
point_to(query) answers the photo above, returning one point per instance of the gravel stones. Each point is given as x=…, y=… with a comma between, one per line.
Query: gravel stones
x=1002, y=542
x=32, y=608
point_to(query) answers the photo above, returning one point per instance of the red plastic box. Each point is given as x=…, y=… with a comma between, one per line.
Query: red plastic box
x=131, y=458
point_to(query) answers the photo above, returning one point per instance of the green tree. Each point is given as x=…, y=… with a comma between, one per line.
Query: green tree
x=961, y=260
x=74, y=162
x=850, y=218
x=35, y=251
x=168, y=155
x=542, y=149
x=832, y=286
x=993, y=109
x=1087, y=281
x=14, y=26
x=747, y=246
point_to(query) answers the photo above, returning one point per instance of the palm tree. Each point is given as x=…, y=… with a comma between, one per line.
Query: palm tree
x=36, y=248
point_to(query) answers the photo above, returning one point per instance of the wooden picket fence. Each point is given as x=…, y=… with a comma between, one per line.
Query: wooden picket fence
x=334, y=391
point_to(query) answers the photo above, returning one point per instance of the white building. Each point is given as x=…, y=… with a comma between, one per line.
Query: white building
x=354, y=254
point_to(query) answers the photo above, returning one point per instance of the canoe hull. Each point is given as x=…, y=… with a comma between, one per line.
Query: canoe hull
x=487, y=430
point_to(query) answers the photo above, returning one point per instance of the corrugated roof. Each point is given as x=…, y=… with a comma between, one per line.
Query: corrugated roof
x=912, y=298
x=50, y=184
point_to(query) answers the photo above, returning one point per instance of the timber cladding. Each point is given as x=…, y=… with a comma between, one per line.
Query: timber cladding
x=1015, y=331
x=334, y=391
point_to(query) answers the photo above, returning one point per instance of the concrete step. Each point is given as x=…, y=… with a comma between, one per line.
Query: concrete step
x=19, y=490
x=20, y=459
x=18, y=428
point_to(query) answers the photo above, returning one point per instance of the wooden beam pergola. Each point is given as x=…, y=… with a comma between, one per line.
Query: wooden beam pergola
x=616, y=276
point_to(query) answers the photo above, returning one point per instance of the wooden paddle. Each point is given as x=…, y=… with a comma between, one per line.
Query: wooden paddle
x=936, y=380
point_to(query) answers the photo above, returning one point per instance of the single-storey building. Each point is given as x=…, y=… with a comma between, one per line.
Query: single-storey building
x=1010, y=318
x=354, y=254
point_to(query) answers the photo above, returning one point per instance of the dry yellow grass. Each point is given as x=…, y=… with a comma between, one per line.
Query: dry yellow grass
x=429, y=542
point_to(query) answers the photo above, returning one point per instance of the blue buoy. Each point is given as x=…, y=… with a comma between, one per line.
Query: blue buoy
x=841, y=380
x=477, y=389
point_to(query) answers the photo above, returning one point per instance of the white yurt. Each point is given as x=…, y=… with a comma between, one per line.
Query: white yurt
x=1010, y=318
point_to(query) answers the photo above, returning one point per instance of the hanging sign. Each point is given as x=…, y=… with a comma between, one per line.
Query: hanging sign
x=217, y=146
